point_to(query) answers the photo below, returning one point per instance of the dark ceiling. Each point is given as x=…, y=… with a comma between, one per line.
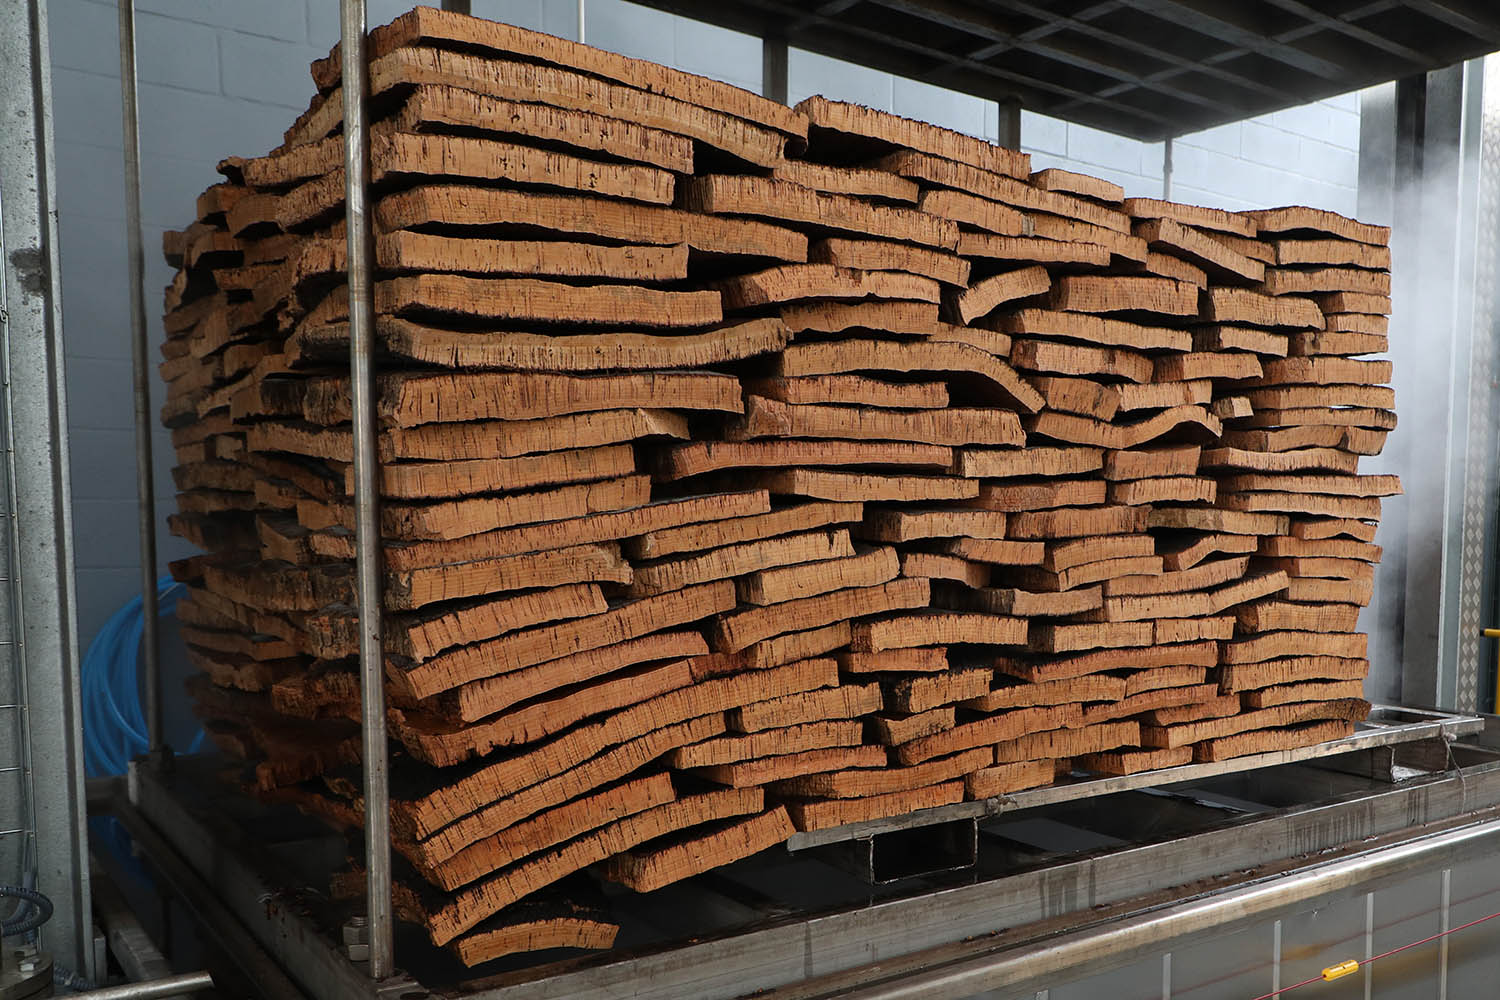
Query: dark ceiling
x=1142, y=68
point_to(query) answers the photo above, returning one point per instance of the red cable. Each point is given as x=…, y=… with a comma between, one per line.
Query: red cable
x=1384, y=954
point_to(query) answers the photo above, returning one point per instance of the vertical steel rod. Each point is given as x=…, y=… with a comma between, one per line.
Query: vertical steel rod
x=582, y=36
x=366, y=496
x=145, y=488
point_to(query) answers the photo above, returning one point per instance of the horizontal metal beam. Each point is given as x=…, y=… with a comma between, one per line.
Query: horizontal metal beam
x=154, y=989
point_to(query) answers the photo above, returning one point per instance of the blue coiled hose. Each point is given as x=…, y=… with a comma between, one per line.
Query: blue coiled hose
x=114, y=725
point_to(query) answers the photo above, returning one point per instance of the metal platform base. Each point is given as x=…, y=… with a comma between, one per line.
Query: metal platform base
x=1070, y=854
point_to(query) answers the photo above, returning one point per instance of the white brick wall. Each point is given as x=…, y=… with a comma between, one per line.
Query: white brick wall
x=227, y=76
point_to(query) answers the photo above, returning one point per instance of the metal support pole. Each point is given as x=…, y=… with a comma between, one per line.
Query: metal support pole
x=140, y=362
x=154, y=989
x=773, y=68
x=582, y=37
x=1008, y=123
x=366, y=495
x=1166, y=169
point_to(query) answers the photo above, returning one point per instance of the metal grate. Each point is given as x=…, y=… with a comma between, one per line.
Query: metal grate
x=1143, y=68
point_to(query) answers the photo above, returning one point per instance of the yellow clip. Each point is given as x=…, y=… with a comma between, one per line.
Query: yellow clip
x=1341, y=970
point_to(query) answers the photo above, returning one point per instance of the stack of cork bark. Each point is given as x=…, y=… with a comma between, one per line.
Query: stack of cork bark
x=749, y=469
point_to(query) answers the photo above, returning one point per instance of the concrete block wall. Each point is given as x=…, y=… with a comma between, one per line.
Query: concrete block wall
x=221, y=77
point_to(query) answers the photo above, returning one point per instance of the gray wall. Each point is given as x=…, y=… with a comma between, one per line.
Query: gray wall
x=220, y=77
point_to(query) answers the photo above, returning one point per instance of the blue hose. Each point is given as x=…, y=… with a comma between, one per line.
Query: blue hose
x=23, y=922
x=114, y=725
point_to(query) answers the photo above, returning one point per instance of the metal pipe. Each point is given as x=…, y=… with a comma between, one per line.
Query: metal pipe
x=140, y=362
x=581, y=35
x=1077, y=951
x=366, y=490
x=151, y=989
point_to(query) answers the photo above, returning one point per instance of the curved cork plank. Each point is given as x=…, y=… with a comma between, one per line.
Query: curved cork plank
x=543, y=934
x=1039, y=460
x=1271, y=616
x=1100, y=330
x=1119, y=245
x=790, y=282
x=645, y=871
x=1296, y=218
x=928, y=691
x=859, y=182
x=1204, y=653
x=405, y=339
x=428, y=24
x=824, y=484
x=1163, y=395
x=1299, y=281
x=768, y=742
x=733, y=194
x=1291, y=693
x=865, y=782
x=1338, y=342
x=1020, y=694
x=464, y=206
x=1291, y=670
x=1092, y=737
x=936, y=627
x=1325, y=371
x=737, y=560
x=1240, y=338
x=1215, y=219
x=1352, y=417
x=1003, y=779
x=975, y=212
x=681, y=462
x=999, y=552
x=1082, y=430
x=1164, y=489
x=1214, y=708
x=917, y=659
x=889, y=730
x=1200, y=248
x=988, y=731
x=851, y=390
x=817, y=814
x=412, y=480
x=1022, y=497
x=1078, y=395
x=1129, y=761
x=847, y=701
x=1020, y=603
x=529, y=647
x=1077, y=522
x=1366, y=508
x=734, y=631
x=1354, y=302
x=906, y=525
x=986, y=295
x=763, y=771
x=789, y=583
x=940, y=172
x=1338, y=548
x=1224, y=521
x=1088, y=573
x=918, y=318
x=932, y=566
x=1273, y=739
x=1240, y=305
x=881, y=355
x=1332, y=252
x=1194, y=552
x=882, y=255
x=1118, y=293
x=1054, y=179
x=1030, y=250
x=1201, y=576
x=1072, y=359
x=949, y=426
x=848, y=119
x=1348, y=709
x=1192, y=604
x=1297, y=460
x=693, y=537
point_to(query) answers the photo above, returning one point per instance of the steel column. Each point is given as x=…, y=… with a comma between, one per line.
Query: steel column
x=366, y=487
x=44, y=655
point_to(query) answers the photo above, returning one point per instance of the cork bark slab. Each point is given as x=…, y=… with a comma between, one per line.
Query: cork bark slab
x=859, y=182
x=1205, y=575
x=1240, y=305
x=791, y=282
x=1145, y=463
x=531, y=299
x=1020, y=603
x=1053, y=179
x=411, y=341
x=734, y=529
x=851, y=487
x=417, y=588
x=935, y=566
x=1222, y=521
x=767, y=743
x=1085, y=574
x=1334, y=548
x=1121, y=246
x=936, y=628
x=1166, y=266
x=1337, y=342
x=1291, y=644
x=1362, y=303
x=1035, y=460
x=907, y=525
x=1167, y=489
x=1348, y=709
x=890, y=730
x=550, y=828
x=893, y=316
x=1071, y=359
x=815, y=814
x=918, y=659
x=1078, y=522
x=975, y=212
x=1037, y=670
x=1296, y=460
x=988, y=731
x=1161, y=395
x=725, y=194
x=1013, y=694
x=987, y=294
x=1298, y=219
x=529, y=647
x=997, y=552
x=736, y=630
x=1324, y=528
x=1325, y=371
x=510, y=438
x=866, y=782
x=1212, y=708
x=1063, y=743
x=795, y=646
x=1003, y=779
x=950, y=426
x=1171, y=236
x=1285, y=439
x=1243, y=339
x=1146, y=701
x=922, y=693
x=851, y=390
x=1181, y=420
x=729, y=561
x=467, y=908
x=1334, y=591
x=1302, y=503
x=939, y=172
x=411, y=399
x=1132, y=761
x=1332, y=252
x=1078, y=395
x=1192, y=215
x=847, y=119
x=1192, y=605
x=646, y=871
x=1291, y=670
x=1194, y=552
x=1028, y=250
x=543, y=934
x=1365, y=323
x=779, y=767
x=1292, y=693
x=1114, y=293
x=1288, y=738
x=468, y=207
x=789, y=583
x=847, y=701
x=888, y=356
x=1022, y=497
